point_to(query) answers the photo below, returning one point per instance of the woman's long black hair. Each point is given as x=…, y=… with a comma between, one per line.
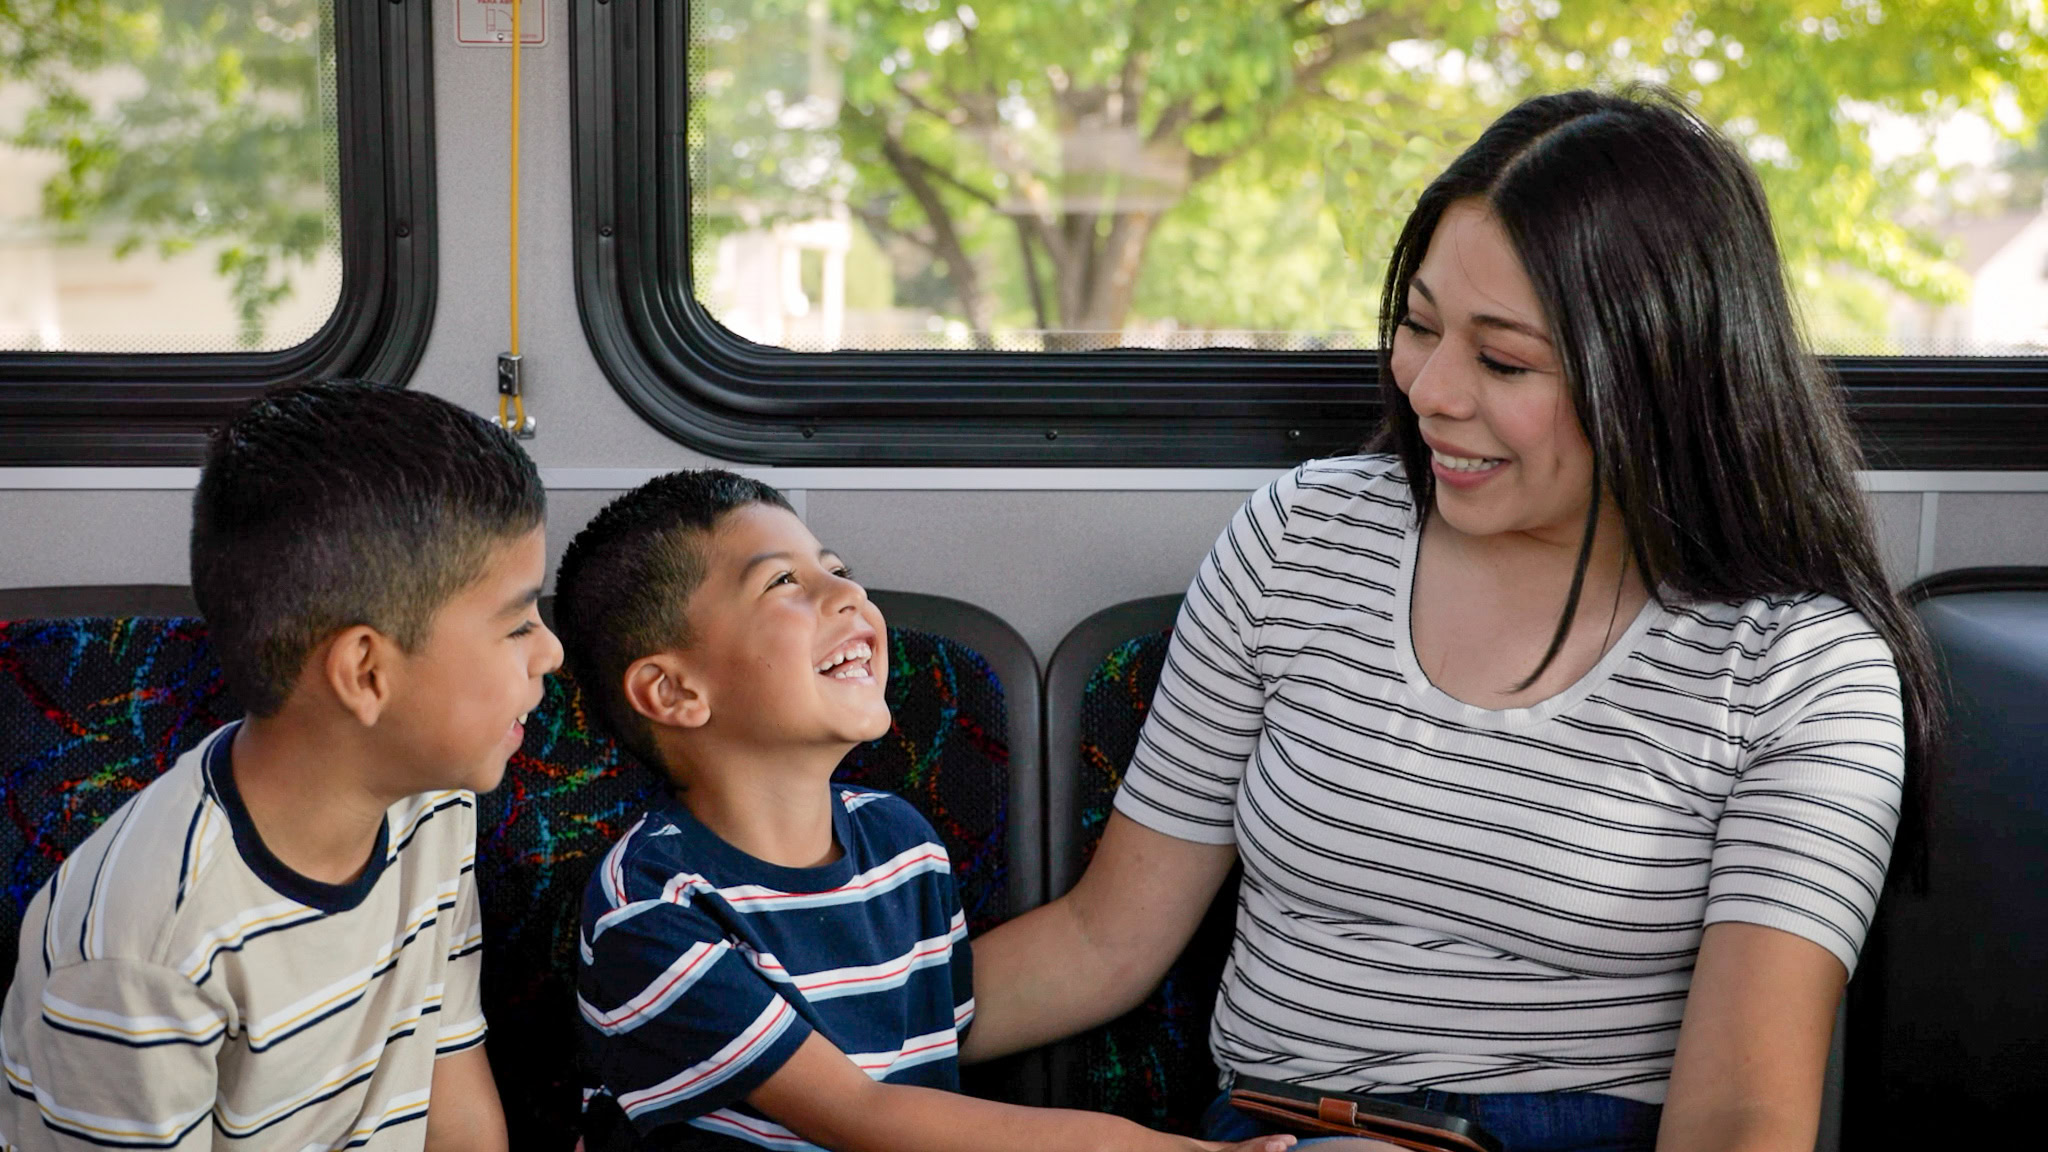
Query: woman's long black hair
x=1723, y=442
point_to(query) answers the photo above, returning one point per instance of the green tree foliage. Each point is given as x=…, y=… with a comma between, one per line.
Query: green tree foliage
x=1073, y=164
x=185, y=121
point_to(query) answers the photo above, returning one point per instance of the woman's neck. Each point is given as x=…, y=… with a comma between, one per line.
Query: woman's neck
x=1484, y=609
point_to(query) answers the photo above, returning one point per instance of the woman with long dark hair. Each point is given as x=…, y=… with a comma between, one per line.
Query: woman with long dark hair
x=1563, y=736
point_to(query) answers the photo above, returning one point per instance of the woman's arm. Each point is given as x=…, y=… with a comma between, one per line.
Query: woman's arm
x=1094, y=953
x=1754, y=1046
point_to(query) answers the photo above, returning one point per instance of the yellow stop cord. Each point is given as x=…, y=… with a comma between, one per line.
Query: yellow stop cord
x=514, y=418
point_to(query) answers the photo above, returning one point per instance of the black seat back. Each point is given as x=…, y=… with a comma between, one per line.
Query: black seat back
x=1947, y=1004
x=1151, y=1065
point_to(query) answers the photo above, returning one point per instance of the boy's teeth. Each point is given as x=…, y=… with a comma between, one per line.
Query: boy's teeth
x=1464, y=463
x=855, y=652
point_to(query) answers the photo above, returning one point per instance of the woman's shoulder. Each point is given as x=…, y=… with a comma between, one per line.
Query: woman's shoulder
x=1361, y=489
x=1776, y=636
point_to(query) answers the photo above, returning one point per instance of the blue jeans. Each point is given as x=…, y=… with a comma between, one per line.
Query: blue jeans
x=1521, y=1121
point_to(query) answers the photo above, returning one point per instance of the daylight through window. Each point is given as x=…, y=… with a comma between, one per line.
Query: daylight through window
x=169, y=176
x=1024, y=175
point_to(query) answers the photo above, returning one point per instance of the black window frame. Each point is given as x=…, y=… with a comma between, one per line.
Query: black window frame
x=737, y=400
x=88, y=409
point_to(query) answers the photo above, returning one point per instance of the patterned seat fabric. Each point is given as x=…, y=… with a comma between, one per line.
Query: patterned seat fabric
x=567, y=795
x=92, y=710
x=1152, y=1064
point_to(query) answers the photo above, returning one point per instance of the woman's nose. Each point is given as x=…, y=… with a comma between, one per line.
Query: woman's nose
x=1439, y=388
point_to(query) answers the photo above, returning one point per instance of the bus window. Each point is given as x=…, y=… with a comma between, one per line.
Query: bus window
x=889, y=205
x=197, y=198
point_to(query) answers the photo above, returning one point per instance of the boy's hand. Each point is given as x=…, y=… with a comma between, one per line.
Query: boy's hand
x=826, y=1099
x=1266, y=1144
x=1270, y=1144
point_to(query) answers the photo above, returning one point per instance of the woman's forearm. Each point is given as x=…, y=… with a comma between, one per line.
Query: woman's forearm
x=1094, y=953
x=1039, y=977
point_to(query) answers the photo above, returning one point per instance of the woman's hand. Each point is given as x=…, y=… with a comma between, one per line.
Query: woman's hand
x=1094, y=953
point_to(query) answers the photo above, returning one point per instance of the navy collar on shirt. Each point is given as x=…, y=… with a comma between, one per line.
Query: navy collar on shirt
x=220, y=780
x=700, y=839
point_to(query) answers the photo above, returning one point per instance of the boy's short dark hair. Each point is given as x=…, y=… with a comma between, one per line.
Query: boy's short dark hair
x=327, y=505
x=623, y=585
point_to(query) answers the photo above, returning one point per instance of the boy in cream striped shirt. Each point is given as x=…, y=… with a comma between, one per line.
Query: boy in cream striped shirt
x=276, y=944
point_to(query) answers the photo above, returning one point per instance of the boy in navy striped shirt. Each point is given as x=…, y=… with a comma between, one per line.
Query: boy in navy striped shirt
x=769, y=960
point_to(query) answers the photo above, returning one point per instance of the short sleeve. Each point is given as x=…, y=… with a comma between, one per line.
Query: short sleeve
x=1208, y=710
x=962, y=960
x=462, y=1009
x=1806, y=835
x=122, y=1053
x=679, y=1020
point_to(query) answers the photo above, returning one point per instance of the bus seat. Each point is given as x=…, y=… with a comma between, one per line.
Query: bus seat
x=1152, y=1064
x=1948, y=1026
x=568, y=793
x=92, y=708
x=964, y=748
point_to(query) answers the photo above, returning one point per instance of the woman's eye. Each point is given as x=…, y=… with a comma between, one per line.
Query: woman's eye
x=1416, y=326
x=1500, y=369
x=843, y=572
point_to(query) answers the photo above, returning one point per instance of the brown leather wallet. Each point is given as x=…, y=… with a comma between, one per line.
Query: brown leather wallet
x=1314, y=1112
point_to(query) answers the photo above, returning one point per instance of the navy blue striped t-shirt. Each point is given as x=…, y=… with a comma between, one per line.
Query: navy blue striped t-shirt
x=703, y=968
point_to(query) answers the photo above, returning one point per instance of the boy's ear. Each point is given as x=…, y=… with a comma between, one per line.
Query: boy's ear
x=663, y=688
x=358, y=665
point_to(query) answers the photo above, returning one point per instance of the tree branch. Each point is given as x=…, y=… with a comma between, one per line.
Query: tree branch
x=959, y=269
x=1031, y=280
x=877, y=219
x=948, y=178
x=919, y=103
x=1347, y=42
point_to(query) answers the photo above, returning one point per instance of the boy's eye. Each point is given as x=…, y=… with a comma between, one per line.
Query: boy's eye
x=525, y=629
x=782, y=578
x=843, y=572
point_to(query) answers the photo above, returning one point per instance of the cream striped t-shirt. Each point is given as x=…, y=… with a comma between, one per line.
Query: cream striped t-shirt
x=179, y=987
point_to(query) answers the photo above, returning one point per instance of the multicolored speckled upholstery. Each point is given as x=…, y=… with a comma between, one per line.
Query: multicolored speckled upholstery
x=1152, y=1064
x=91, y=710
x=948, y=753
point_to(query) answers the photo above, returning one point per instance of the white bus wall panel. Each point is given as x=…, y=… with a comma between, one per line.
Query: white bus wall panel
x=1897, y=515
x=1977, y=528
x=582, y=419
x=1041, y=560
x=94, y=537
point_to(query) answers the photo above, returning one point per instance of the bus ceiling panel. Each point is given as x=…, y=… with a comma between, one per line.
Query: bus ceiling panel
x=136, y=406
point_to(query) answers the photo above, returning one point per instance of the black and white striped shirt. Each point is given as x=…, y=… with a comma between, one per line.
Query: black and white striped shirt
x=1438, y=895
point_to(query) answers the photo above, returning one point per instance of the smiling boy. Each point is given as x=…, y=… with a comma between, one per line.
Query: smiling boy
x=769, y=959
x=275, y=944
